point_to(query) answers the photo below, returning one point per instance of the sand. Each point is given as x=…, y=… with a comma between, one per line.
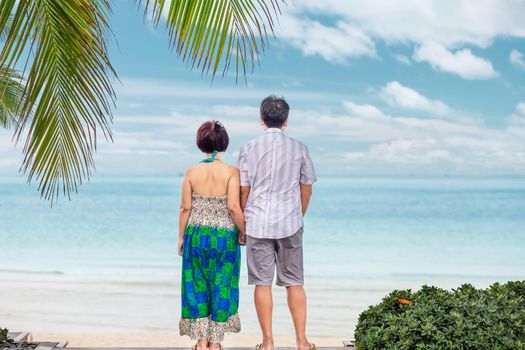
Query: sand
x=164, y=339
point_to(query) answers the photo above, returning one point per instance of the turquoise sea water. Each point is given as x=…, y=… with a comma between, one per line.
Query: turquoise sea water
x=107, y=259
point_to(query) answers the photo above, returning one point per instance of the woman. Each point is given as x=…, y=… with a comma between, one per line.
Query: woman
x=211, y=227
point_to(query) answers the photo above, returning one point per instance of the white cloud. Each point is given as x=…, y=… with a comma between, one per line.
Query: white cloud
x=412, y=151
x=462, y=62
x=450, y=24
x=373, y=142
x=456, y=155
x=420, y=146
x=125, y=142
x=436, y=147
x=520, y=109
x=333, y=43
x=518, y=117
x=140, y=89
x=398, y=95
x=396, y=145
x=239, y=120
x=516, y=122
x=146, y=120
x=516, y=58
x=364, y=110
x=403, y=59
x=236, y=111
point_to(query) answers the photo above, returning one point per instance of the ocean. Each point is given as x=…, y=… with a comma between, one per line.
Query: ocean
x=107, y=259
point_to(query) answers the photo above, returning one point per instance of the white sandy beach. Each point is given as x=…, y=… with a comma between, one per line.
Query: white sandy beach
x=127, y=312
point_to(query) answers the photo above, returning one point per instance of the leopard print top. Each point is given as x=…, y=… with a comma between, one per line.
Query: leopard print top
x=210, y=211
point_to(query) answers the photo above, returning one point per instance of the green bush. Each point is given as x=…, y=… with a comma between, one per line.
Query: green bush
x=437, y=319
x=3, y=335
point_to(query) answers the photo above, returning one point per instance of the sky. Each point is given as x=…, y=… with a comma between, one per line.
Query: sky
x=376, y=88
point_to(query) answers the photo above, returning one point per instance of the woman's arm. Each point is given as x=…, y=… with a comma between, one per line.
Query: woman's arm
x=234, y=206
x=245, y=192
x=185, y=210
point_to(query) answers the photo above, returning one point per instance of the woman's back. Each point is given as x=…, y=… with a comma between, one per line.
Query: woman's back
x=210, y=179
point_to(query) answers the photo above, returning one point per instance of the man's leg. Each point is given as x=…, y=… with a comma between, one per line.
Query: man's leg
x=290, y=274
x=260, y=255
x=297, y=306
x=264, y=306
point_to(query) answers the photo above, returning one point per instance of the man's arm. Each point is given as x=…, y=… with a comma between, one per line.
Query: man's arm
x=245, y=192
x=242, y=164
x=306, y=180
x=306, y=194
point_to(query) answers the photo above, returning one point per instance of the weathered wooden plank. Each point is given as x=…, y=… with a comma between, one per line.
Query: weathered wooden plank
x=349, y=344
x=44, y=347
x=19, y=336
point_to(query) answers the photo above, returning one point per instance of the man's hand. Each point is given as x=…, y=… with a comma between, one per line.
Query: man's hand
x=242, y=238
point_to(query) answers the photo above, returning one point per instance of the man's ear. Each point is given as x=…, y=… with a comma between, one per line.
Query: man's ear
x=285, y=123
x=262, y=123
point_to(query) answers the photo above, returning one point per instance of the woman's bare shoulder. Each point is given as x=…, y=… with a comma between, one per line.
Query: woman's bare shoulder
x=232, y=169
x=191, y=170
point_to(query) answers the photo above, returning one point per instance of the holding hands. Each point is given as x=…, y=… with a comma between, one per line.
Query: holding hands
x=242, y=238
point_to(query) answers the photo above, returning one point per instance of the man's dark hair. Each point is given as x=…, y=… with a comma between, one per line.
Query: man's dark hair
x=274, y=111
x=212, y=136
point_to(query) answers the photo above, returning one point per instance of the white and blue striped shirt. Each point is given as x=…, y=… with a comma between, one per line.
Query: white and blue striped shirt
x=273, y=165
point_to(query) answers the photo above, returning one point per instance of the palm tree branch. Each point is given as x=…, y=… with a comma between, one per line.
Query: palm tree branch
x=11, y=96
x=207, y=33
x=68, y=95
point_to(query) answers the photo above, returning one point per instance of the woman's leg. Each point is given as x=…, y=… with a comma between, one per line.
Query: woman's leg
x=202, y=344
x=215, y=346
x=194, y=286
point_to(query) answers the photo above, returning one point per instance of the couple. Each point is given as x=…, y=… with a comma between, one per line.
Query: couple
x=260, y=204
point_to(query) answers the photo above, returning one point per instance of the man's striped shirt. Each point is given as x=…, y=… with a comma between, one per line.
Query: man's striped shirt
x=273, y=165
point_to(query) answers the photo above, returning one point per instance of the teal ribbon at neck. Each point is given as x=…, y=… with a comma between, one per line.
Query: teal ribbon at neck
x=211, y=159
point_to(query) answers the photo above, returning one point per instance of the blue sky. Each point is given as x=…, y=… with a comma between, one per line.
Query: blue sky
x=377, y=88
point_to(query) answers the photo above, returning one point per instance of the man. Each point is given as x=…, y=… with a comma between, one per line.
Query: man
x=276, y=185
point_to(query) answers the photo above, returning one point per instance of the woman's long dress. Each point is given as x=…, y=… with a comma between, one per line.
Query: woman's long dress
x=210, y=271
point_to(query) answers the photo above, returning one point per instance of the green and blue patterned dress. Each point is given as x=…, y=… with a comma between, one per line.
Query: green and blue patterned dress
x=210, y=271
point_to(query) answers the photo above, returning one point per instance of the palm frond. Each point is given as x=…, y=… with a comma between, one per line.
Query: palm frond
x=11, y=92
x=208, y=34
x=68, y=96
x=5, y=29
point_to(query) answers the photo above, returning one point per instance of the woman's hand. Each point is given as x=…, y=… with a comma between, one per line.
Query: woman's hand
x=242, y=238
x=180, y=247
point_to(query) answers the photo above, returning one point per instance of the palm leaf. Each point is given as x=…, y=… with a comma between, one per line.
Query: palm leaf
x=208, y=33
x=11, y=92
x=68, y=95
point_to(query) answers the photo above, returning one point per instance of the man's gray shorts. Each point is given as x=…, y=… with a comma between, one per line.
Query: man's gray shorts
x=266, y=255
